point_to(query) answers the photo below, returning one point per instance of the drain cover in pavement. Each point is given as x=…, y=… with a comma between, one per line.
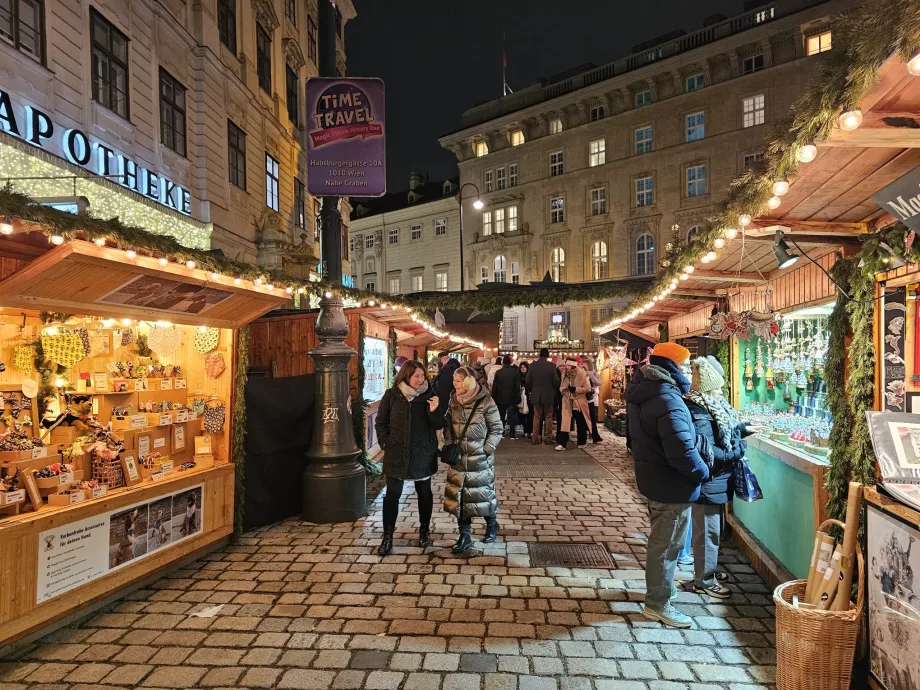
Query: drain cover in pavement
x=569, y=556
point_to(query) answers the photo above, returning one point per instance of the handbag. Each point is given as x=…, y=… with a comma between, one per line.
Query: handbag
x=450, y=453
x=747, y=488
x=522, y=406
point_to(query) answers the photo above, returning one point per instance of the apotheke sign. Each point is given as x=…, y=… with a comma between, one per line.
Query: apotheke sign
x=902, y=199
x=37, y=128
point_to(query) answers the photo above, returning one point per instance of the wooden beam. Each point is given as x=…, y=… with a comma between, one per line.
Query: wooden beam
x=896, y=130
x=726, y=276
x=812, y=240
x=768, y=226
x=697, y=294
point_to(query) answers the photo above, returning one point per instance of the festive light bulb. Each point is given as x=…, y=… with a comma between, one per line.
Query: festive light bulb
x=237, y=281
x=807, y=153
x=190, y=264
x=773, y=202
x=690, y=269
x=744, y=220
x=258, y=281
x=270, y=286
x=370, y=303
x=289, y=289
x=327, y=294
x=730, y=233
x=718, y=243
x=131, y=254
x=203, y=329
x=59, y=382
x=655, y=298
x=57, y=239
x=850, y=119
x=649, y=305
x=913, y=65
x=706, y=258
x=6, y=228
x=712, y=256
x=683, y=276
x=100, y=241
x=126, y=322
x=163, y=261
x=780, y=187
x=214, y=276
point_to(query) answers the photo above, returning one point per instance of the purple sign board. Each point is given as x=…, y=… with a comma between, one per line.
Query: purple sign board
x=346, y=141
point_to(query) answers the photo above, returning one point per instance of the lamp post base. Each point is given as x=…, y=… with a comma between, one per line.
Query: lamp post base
x=333, y=492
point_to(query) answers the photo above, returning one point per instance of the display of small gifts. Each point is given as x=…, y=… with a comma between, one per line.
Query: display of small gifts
x=139, y=370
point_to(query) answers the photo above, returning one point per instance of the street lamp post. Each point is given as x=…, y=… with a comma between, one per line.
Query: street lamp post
x=333, y=483
x=478, y=206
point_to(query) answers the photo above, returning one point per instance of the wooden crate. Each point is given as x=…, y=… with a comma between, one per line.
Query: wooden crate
x=66, y=499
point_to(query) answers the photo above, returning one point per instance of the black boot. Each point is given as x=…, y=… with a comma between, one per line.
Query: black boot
x=424, y=536
x=386, y=544
x=491, y=531
x=465, y=542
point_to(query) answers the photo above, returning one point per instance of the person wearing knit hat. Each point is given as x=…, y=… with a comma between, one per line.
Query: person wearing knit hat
x=574, y=387
x=669, y=470
x=720, y=433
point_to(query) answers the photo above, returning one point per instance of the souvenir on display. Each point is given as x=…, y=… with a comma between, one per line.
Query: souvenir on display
x=748, y=370
x=206, y=340
x=215, y=414
x=24, y=359
x=759, y=368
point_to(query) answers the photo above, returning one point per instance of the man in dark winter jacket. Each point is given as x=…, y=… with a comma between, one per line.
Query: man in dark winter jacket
x=669, y=470
x=506, y=392
x=543, y=382
x=443, y=384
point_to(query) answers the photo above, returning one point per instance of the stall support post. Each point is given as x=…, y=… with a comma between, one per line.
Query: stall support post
x=333, y=483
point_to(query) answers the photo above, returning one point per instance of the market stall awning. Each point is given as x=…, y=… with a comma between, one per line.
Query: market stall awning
x=633, y=338
x=80, y=277
x=413, y=332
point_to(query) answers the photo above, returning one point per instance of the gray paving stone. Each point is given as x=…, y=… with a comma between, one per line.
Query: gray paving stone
x=538, y=683
x=638, y=669
x=423, y=681
x=721, y=673
x=300, y=679
x=675, y=670
x=462, y=681
x=478, y=663
x=369, y=660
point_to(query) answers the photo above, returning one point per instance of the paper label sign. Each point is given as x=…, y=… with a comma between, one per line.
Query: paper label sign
x=159, y=442
x=67, y=478
x=39, y=453
x=138, y=421
x=166, y=384
x=182, y=415
x=165, y=419
x=99, y=491
x=166, y=466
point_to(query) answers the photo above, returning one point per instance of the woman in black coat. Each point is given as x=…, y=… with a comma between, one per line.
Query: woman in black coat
x=406, y=422
x=527, y=421
x=506, y=392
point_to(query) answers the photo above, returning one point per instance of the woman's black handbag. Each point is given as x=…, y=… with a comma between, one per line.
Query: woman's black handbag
x=450, y=453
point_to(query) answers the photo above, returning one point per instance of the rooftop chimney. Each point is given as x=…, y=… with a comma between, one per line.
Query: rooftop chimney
x=416, y=180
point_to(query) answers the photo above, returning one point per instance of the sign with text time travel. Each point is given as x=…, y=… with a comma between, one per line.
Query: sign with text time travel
x=346, y=137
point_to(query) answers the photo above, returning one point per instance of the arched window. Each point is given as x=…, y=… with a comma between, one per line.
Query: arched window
x=499, y=271
x=645, y=254
x=692, y=233
x=370, y=265
x=557, y=265
x=599, y=260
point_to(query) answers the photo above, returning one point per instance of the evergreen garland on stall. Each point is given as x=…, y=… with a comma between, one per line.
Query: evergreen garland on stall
x=359, y=412
x=238, y=452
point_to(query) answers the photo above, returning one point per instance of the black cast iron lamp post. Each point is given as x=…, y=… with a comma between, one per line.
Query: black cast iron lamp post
x=478, y=206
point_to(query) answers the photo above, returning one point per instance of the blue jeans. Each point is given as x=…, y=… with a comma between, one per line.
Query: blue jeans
x=670, y=522
x=707, y=527
x=686, y=551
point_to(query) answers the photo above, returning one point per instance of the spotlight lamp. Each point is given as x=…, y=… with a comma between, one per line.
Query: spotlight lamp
x=784, y=258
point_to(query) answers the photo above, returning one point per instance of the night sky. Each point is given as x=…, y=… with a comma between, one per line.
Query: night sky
x=440, y=57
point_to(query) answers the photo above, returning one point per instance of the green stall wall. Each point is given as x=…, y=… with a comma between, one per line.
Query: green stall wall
x=784, y=519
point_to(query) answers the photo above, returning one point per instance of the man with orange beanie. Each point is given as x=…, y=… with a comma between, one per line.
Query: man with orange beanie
x=669, y=470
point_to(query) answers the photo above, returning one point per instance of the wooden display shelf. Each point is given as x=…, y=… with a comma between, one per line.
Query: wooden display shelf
x=889, y=505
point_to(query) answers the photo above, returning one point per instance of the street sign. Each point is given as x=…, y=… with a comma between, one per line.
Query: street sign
x=346, y=137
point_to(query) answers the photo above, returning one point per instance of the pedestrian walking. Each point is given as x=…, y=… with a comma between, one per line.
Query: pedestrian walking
x=593, y=398
x=526, y=403
x=480, y=371
x=407, y=419
x=491, y=370
x=669, y=470
x=543, y=381
x=474, y=423
x=574, y=388
x=443, y=383
x=506, y=392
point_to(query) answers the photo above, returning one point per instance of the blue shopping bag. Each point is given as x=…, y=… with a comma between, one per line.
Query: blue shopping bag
x=747, y=487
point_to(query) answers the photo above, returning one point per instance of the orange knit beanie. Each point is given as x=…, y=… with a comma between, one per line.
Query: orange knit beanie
x=676, y=353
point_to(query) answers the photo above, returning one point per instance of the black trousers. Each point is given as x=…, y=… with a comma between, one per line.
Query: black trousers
x=394, y=493
x=595, y=434
x=509, y=415
x=562, y=437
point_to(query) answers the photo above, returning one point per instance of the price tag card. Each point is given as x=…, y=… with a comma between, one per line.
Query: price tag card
x=39, y=452
x=159, y=443
x=138, y=421
x=181, y=415
x=165, y=419
x=66, y=478
x=159, y=476
x=166, y=466
x=180, y=384
x=99, y=491
x=166, y=384
x=77, y=497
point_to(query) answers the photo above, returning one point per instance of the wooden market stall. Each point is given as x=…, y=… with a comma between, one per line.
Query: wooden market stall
x=133, y=364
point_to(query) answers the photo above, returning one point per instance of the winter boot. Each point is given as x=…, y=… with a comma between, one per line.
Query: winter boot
x=386, y=544
x=465, y=542
x=491, y=531
x=424, y=536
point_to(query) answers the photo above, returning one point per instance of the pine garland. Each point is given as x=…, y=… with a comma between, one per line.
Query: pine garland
x=238, y=452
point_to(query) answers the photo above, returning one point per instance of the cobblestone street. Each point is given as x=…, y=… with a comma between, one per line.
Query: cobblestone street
x=306, y=606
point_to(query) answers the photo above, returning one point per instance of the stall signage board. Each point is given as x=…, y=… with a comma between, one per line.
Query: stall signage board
x=894, y=318
x=71, y=555
x=902, y=199
x=375, y=368
x=346, y=137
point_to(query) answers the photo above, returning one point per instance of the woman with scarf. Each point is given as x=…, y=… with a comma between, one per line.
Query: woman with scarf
x=593, y=398
x=526, y=418
x=406, y=422
x=716, y=422
x=574, y=388
x=470, y=488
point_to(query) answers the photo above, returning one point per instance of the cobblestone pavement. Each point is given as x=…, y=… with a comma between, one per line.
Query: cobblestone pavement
x=308, y=606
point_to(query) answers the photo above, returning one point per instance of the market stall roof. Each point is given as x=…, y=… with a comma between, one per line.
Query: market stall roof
x=81, y=277
x=633, y=337
x=416, y=332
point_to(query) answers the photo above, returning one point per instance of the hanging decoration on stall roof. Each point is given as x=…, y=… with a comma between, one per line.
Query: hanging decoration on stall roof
x=759, y=366
x=743, y=325
x=207, y=340
x=23, y=359
x=894, y=311
x=64, y=348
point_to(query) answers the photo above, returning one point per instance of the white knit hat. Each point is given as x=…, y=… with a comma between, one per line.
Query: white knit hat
x=706, y=378
x=571, y=363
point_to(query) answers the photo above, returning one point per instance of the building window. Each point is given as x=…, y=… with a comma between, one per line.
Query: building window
x=394, y=285
x=440, y=280
x=692, y=233
x=416, y=232
x=440, y=227
x=643, y=140
x=645, y=254
x=517, y=137
x=500, y=179
x=486, y=223
x=264, y=59
x=599, y=260
x=696, y=126
x=512, y=219
x=695, y=82
x=753, y=64
x=370, y=283
x=598, y=112
x=565, y=318
x=22, y=24
x=599, y=201
x=483, y=274
x=312, y=40
x=643, y=98
x=351, y=242
x=418, y=283
x=272, y=177
x=369, y=241
x=555, y=126
x=300, y=204
x=599, y=316
x=645, y=191
x=510, y=333
x=597, y=152
x=110, y=65
x=515, y=273
x=482, y=149
x=557, y=209
x=753, y=110
x=290, y=10
x=696, y=180
x=293, y=95
x=172, y=113
x=556, y=164
x=818, y=43
x=751, y=160
x=557, y=265
x=499, y=272
x=513, y=175
x=226, y=23
x=393, y=236
x=499, y=221
x=236, y=144
x=487, y=176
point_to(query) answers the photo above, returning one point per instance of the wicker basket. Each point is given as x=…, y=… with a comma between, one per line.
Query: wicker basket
x=815, y=649
x=108, y=472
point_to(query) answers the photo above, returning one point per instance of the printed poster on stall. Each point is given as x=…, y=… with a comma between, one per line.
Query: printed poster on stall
x=893, y=368
x=71, y=555
x=375, y=368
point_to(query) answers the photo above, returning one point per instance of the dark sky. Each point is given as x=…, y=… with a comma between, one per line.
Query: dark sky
x=440, y=57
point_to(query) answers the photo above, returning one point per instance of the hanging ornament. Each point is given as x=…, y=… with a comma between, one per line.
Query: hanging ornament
x=750, y=385
x=759, y=368
x=748, y=372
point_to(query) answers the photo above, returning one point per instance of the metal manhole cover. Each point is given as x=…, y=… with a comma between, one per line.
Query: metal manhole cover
x=569, y=556
x=540, y=468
